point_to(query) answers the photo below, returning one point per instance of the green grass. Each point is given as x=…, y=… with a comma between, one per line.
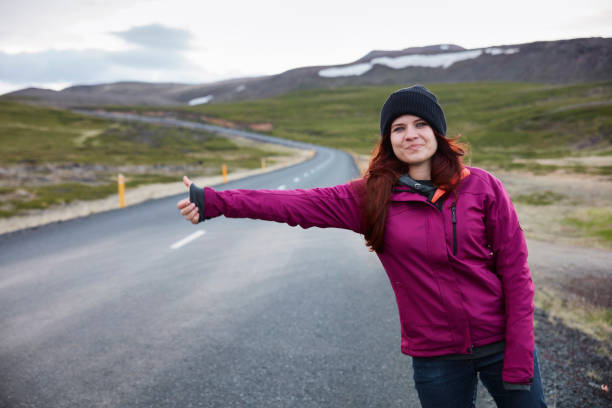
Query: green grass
x=604, y=170
x=500, y=121
x=35, y=136
x=595, y=222
x=539, y=198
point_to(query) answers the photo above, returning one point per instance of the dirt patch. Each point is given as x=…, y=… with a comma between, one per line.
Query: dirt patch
x=218, y=122
x=256, y=127
x=587, y=161
x=596, y=290
x=261, y=127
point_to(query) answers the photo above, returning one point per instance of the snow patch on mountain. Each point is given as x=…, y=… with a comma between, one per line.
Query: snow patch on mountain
x=200, y=101
x=443, y=60
x=349, y=70
x=498, y=51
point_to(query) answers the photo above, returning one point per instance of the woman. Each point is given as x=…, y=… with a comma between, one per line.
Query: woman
x=450, y=242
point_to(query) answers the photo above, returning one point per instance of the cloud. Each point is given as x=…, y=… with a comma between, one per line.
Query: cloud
x=157, y=36
x=146, y=59
x=53, y=66
x=600, y=19
x=159, y=56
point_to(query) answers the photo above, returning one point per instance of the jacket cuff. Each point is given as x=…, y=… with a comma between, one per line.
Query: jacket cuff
x=196, y=196
x=516, y=387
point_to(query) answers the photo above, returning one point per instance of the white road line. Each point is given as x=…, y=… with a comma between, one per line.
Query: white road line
x=295, y=180
x=187, y=239
x=282, y=187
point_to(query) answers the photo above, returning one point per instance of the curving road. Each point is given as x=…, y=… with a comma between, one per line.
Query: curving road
x=138, y=308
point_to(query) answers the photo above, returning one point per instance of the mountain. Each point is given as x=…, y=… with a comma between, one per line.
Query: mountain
x=563, y=61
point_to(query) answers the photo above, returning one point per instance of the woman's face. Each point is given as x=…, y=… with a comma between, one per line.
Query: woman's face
x=413, y=140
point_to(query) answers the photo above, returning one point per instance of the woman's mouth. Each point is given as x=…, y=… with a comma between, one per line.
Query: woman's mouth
x=415, y=147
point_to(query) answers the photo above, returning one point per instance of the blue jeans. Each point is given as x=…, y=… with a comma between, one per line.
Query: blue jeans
x=452, y=383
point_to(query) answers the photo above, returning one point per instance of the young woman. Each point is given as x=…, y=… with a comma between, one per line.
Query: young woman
x=450, y=242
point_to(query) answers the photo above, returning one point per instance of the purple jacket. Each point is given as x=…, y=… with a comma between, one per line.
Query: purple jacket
x=459, y=274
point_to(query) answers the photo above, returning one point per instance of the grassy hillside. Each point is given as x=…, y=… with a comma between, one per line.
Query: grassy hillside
x=500, y=121
x=509, y=126
x=50, y=156
x=36, y=135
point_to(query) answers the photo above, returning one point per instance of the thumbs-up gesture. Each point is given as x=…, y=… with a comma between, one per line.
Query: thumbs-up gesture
x=189, y=209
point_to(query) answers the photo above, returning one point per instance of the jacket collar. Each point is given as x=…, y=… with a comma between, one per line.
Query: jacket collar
x=412, y=196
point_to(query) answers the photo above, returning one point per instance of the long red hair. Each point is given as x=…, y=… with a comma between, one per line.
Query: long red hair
x=385, y=169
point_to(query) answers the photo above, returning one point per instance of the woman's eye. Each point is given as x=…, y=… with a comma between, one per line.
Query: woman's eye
x=421, y=124
x=397, y=129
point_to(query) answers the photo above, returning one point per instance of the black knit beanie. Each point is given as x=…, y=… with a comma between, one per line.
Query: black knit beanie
x=415, y=100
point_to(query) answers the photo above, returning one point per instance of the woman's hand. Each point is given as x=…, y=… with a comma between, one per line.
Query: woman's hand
x=188, y=209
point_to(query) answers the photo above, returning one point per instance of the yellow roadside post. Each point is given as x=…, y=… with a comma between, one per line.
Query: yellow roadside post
x=263, y=163
x=224, y=173
x=121, y=183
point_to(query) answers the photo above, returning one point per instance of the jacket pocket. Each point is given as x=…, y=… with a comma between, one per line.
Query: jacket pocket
x=427, y=337
x=423, y=319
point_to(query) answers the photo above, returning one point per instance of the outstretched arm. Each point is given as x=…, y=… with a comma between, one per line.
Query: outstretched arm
x=337, y=206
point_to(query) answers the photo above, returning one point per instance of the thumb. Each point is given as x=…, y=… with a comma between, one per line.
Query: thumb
x=186, y=181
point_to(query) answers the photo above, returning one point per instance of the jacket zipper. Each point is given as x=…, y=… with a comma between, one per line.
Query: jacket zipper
x=454, y=215
x=454, y=219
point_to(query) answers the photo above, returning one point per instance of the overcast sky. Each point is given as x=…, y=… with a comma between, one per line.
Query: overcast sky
x=58, y=43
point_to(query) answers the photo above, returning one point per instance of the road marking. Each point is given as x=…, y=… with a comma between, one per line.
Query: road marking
x=295, y=180
x=282, y=187
x=187, y=239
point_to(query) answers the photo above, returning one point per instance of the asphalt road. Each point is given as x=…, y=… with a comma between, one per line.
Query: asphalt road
x=118, y=310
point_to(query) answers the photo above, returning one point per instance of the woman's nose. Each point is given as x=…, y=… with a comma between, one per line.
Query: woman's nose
x=411, y=132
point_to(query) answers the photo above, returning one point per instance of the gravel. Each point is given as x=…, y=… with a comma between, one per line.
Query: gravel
x=572, y=366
